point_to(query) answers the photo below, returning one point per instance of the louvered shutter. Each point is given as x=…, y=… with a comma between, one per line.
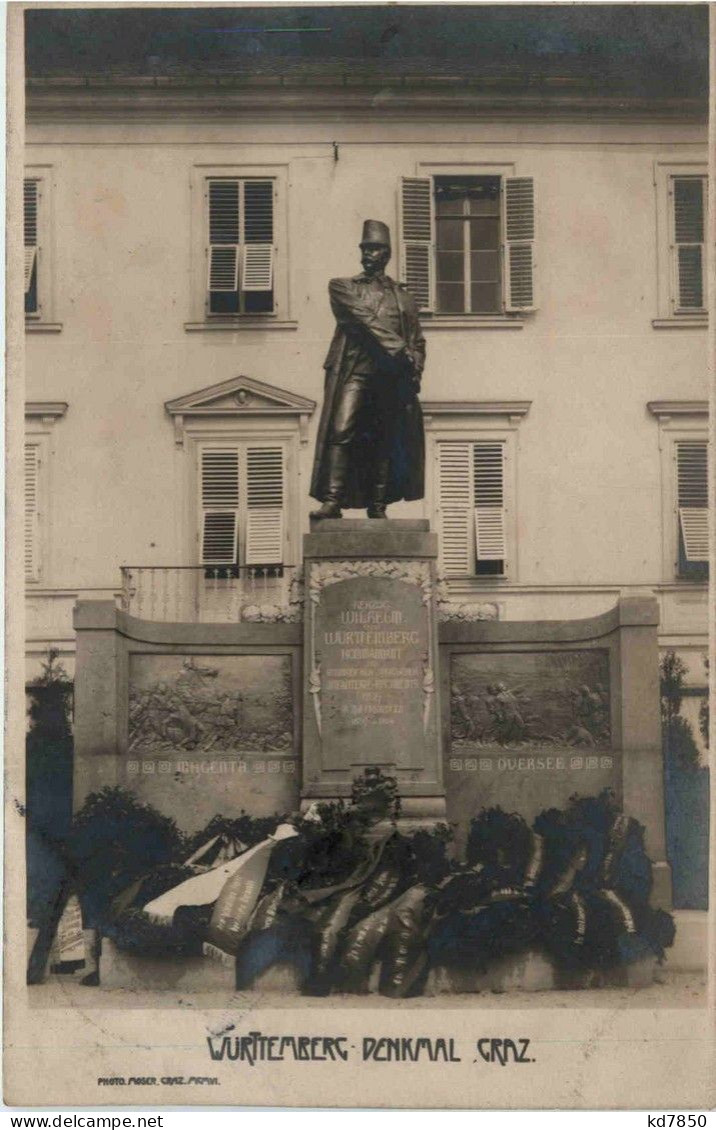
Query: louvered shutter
x=265, y=494
x=689, y=245
x=258, y=248
x=223, y=269
x=519, y=229
x=488, y=469
x=455, y=509
x=692, y=492
x=30, y=203
x=32, y=529
x=224, y=217
x=417, y=239
x=219, y=505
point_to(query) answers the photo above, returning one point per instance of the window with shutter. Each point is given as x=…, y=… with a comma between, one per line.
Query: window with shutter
x=692, y=507
x=688, y=203
x=681, y=245
x=32, y=512
x=241, y=252
x=30, y=217
x=242, y=505
x=467, y=243
x=471, y=507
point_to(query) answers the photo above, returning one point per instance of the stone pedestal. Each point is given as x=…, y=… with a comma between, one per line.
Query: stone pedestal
x=370, y=656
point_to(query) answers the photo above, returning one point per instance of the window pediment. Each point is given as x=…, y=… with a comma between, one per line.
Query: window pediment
x=668, y=410
x=240, y=397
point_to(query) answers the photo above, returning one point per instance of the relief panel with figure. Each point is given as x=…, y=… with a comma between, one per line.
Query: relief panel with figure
x=545, y=699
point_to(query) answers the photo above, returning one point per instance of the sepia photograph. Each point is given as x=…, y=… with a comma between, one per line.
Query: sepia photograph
x=358, y=733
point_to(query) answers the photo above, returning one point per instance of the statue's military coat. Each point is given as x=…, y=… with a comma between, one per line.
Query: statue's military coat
x=356, y=307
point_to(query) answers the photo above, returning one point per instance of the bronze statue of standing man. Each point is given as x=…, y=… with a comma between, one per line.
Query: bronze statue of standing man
x=370, y=449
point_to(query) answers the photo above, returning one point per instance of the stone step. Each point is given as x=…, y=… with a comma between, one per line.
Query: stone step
x=528, y=973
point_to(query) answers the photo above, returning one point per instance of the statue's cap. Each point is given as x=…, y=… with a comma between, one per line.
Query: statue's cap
x=375, y=231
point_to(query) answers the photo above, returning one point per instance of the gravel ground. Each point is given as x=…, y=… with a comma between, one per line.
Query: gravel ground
x=673, y=990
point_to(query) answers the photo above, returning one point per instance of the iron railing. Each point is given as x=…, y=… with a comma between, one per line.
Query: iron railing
x=210, y=594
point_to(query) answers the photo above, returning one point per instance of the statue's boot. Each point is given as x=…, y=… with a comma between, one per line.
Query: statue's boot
x=337, y=471
x=377, y=506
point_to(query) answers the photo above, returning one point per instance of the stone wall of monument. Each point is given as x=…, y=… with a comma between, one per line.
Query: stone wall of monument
x=470, y=714
x=196, y=720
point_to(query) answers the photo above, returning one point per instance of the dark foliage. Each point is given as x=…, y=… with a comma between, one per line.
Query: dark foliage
x=351, y=892
x=704, y=711
x=680, y=746
x=472, y=939
x=134, y=932
x=500, y=843
x=677, y=735
x=48, y=785
x=248, y=830
x=375, y=795
x=672, y=672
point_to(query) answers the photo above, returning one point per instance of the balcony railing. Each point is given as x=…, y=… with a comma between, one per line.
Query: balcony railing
x=217, y=595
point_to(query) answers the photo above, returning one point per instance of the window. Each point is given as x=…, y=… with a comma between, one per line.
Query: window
x=684, y=451
x=242, y=442
x=39, y=251
x=240, y=250
x=471, y=486
x=692, y=507
x=41, y=416
x=33, y=544
x=467, y=243
x=688, y=212
x=682, y=208
x=31, y=197
x=471, y=507
x=242, y=507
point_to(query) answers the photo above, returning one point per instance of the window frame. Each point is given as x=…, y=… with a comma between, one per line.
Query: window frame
x=669, y=315
x=697, y=569
x=40, y=418
x=505, y=319
x=679, y=421
x=41, y=442
x=490, y=422
x=42, y=319
x=464, y=216
x=242, y=446
x=200, y=318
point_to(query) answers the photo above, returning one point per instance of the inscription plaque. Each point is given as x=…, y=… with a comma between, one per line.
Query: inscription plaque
x=370, y=655
x=372, y=646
